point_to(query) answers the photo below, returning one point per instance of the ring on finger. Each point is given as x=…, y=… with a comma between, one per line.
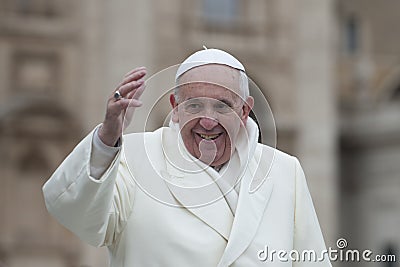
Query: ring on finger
x=117, y=95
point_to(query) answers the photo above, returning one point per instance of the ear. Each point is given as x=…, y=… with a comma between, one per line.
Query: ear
x=247, y=107
x=174, y=105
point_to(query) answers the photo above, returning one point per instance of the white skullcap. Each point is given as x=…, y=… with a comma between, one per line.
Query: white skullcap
x=208, y=56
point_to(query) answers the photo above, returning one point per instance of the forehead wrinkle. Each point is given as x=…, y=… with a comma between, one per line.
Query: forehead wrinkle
x=213, y=73
x=227, y=94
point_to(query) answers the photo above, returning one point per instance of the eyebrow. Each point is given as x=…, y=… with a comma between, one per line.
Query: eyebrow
x=223, y=100
x=226, y=101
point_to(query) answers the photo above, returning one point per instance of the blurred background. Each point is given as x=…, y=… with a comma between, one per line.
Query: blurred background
x=329, y=68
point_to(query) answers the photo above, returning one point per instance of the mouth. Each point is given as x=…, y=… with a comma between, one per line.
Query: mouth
x=209, y=137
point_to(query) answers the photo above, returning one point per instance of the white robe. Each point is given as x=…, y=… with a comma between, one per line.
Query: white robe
x=142, y=210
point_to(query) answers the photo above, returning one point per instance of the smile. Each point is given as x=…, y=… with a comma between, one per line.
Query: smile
x=209, y=137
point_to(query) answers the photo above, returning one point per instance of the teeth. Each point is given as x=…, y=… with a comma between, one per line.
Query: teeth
x=209, y=137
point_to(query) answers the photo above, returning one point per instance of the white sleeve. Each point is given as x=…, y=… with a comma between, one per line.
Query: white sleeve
x=96, y=210
x=101, y=156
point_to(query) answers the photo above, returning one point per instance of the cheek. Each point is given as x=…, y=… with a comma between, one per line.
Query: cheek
x=188, y=138
x=186, y=125
x=232, y=126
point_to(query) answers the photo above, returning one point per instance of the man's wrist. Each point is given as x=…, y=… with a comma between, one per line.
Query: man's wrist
x=99, y=143
x=107, y=138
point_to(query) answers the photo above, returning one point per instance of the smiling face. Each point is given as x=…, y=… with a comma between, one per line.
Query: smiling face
x=210, y=112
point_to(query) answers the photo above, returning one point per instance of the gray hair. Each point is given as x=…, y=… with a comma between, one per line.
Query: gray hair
x=243, y=86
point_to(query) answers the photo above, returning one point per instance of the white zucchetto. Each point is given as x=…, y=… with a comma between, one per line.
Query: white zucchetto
x=208, y=56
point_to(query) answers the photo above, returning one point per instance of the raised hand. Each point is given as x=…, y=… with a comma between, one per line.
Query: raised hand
x=129, y=90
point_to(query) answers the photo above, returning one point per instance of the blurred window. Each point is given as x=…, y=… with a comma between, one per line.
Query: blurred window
x=221, y=12
x=396, y=94
x=35, y=72
x=38, y=8
x=352, y=35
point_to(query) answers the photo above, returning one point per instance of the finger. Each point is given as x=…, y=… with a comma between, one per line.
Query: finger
x=119, y=106
x=135, y=70
x=135, y=94
x=127, y=88
x=134, y=103
x=133, y=77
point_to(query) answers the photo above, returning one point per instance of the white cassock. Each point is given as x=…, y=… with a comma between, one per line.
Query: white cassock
x=152, y=207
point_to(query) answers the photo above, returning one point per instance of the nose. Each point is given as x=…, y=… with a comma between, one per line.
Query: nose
x=208, y=123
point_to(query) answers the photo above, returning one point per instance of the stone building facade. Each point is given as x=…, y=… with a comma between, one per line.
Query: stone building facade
x=330, y=70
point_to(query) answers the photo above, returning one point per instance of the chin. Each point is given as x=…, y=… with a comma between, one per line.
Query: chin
x=222, y=160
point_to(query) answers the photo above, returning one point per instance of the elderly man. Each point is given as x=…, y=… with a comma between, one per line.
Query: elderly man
x=201, y=192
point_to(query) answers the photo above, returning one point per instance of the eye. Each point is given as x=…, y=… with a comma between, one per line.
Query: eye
x=222, y=107
x=193, y=107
